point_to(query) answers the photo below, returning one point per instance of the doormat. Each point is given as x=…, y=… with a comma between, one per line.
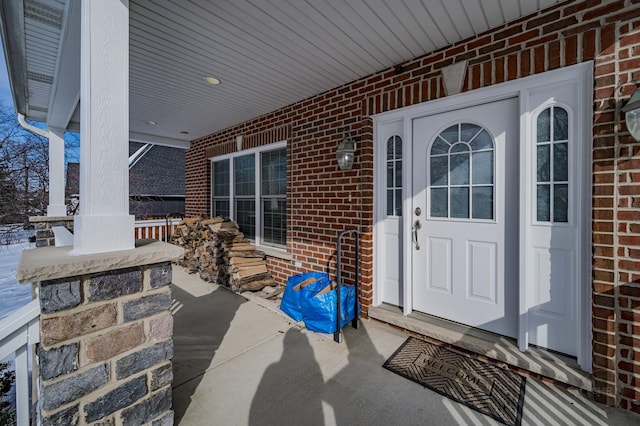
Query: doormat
x=491, y=390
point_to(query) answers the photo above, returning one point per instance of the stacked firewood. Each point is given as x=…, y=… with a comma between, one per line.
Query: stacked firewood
x=217, y=250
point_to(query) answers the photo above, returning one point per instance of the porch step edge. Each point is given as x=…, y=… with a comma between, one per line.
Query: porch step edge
x=554, y=366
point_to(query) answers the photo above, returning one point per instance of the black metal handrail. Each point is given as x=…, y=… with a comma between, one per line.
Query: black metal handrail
x=167, y=237
x=354, y=323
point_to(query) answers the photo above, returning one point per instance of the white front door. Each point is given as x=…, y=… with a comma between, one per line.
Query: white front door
x=505, y=237
x=465, y=216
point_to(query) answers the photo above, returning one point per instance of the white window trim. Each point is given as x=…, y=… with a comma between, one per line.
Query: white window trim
x=273, y=249
x=572, y=212
x=394, y=162
x=470, y=219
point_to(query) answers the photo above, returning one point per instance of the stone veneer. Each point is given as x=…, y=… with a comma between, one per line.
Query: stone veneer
x=43, y=225
x=106, y=335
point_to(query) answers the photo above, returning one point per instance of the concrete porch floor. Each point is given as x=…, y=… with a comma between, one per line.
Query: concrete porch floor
x=239, y=361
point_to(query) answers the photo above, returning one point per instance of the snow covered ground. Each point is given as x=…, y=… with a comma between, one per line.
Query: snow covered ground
x=13, y=294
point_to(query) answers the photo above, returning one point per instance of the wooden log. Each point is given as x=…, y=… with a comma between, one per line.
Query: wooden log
x=257, y=285
x=248, y=272
x=239, y=246
x=217, y=219
x=245, y=261
x=254, y=283
x=254, y=254
x=225, y=227
x=220, y=253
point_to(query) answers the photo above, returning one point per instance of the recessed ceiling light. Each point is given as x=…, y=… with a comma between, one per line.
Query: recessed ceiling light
x=211, y=80
x=151, y=122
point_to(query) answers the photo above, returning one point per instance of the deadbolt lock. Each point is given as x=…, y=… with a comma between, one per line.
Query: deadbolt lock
x=418, y=211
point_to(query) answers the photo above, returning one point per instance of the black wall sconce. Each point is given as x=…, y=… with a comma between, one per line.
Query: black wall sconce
x=632, y=115
x=346, y=152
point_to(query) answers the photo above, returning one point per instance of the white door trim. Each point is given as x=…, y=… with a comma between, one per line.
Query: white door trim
x=521, y=88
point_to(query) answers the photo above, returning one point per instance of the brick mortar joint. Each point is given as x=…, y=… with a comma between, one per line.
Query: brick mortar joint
x=147, y=395
x=114, y=382
x=80, y=370
x=120, y=323
x=145, y=345
x=47, y=413
x=111, y=385
x=616, y=244
x=121, y=301
x=76, y=309
x=84, y=340
x=85, y=306
x=146, y=323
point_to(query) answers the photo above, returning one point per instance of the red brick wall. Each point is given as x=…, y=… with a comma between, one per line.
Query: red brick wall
x=615, y=46
x=322, y=200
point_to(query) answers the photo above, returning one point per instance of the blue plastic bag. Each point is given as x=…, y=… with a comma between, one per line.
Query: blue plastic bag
x=319, y=307
x=297, y=285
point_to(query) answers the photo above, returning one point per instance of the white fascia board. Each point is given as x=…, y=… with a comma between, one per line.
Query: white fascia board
x=12, y=29
x=159, y=140
x=65, y=93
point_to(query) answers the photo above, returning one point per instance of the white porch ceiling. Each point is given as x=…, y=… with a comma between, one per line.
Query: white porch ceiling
x=266, y=53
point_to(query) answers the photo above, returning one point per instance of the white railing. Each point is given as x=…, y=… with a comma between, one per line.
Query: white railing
x=158, y=229
x=18, y=333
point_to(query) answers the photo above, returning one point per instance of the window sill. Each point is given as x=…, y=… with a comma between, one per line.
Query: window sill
x=275, y=252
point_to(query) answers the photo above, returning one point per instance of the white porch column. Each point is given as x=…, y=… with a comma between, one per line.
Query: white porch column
x=56, y=205
x=104, y=223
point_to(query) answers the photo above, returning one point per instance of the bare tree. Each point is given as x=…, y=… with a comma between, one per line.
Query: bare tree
x=71, y=147
x=24, y=170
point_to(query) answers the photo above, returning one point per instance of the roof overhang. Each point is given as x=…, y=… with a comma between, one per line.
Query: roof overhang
x=13, y=36
x=266, y=54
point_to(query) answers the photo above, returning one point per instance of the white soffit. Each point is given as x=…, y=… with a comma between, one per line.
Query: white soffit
x=43, y=24
x=266, y=53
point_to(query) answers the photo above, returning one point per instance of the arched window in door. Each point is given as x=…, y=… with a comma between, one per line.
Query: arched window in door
x=394, y=176
x=461, y=173
x=552, y=165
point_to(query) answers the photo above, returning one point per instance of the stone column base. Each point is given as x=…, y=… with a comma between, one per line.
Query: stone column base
x=44, y=225
x=106, y=335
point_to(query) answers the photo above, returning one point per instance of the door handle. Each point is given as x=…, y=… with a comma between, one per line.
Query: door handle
x=416, y=226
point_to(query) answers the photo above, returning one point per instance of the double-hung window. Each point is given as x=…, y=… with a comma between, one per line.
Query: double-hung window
x=244, y=194
x=220, y=188
x=250, y=187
